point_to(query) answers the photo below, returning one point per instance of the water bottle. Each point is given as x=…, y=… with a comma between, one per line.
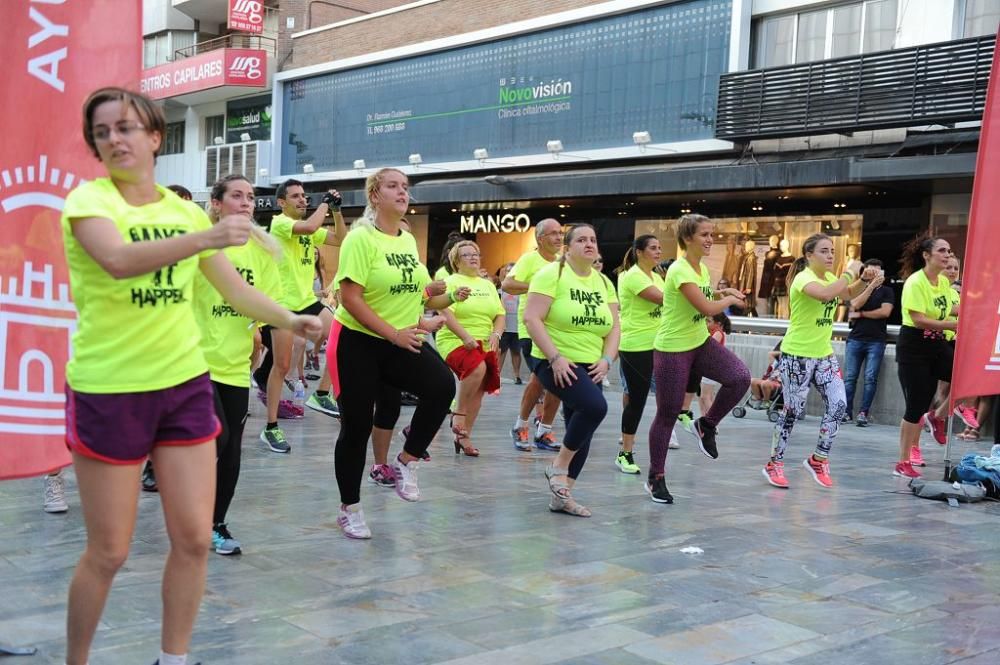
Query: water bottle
x=300, y=393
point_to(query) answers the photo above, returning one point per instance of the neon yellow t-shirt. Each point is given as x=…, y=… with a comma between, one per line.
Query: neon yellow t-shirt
x=920, y=296
x=298, y=269
x=389, y=269
x=523, y=271
x=682, y=327
x=580, y=316
x=441, y=273
x=956, y=300
x=134, y=334
x=227, y=335
x=810, y=325
x=475, y=314
x=640, y=318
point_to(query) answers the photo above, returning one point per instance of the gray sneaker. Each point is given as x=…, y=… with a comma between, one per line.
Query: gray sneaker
x=323, y=404
x=55, y=494
x=275, y=440
x=862, y=420
x=223, y=541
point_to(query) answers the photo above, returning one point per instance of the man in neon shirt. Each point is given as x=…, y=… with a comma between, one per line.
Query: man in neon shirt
x=298, y=236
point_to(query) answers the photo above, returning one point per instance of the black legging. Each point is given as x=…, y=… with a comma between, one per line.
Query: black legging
x=262, y=373
x=359, y=364
x=637, y=366
x=388, y=403
x=231, y=407
x=921, y=364
x=584, y=408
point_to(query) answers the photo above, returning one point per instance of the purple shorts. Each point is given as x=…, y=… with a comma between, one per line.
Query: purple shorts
x=123, y=428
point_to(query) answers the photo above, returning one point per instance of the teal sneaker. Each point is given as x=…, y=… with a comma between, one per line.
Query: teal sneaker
x=275, y=440
x=323, y=404
x=223, y=541
x=626, y=462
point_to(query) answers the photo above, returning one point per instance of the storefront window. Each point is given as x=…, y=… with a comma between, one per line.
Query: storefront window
x=755, y=254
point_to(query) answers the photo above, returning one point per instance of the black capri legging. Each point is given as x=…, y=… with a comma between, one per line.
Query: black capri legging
x=921, y=364
x=231, y=407
x=359, y=364
x=637, y=367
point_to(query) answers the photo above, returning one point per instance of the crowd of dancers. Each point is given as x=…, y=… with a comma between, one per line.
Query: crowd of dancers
x=171, y=300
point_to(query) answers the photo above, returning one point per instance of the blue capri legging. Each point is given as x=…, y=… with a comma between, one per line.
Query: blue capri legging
x=584, y=408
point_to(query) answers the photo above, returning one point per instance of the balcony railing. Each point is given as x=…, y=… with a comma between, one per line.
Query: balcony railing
x=940, y=84
x=232, y=40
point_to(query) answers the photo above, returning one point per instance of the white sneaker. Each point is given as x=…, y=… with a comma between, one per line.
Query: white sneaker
x=55, y=494
x=406, y=480
x=673, y=445
x=352, y=521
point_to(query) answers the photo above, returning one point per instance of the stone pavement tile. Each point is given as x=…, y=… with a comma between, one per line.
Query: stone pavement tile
x=414, y=647
x=899, y=598
x=879, y=649
x=859, y=530
x=556, y=581
x=834, y=585
x=989, y=658
x=566, y=646
x=511, y=627
x=721, y=642
x=827, y=616
x=609, y=657
x=340, y=621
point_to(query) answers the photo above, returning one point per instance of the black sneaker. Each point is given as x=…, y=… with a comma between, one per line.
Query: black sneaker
x=657, y=489
x=862, y=420
x=706, y=438
x=847, y=418
x=149, y=478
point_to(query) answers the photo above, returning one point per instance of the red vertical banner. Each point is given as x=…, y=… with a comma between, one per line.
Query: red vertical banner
x=54, y=55
x=977, y=351
x=246, y=16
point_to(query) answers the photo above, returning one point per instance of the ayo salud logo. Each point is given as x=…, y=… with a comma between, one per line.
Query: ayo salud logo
x=37, y=316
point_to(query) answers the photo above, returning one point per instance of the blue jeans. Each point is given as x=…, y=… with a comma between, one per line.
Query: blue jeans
x=869, y=353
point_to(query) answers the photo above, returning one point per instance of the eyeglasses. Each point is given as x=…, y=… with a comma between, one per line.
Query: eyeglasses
x=469, y=256
x=124, y=129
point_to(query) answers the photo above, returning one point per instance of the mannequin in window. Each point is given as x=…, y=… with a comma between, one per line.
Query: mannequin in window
x=765, y=304
x=731, y=265
x=851, y=262
x=779, y=293
x=746, y=277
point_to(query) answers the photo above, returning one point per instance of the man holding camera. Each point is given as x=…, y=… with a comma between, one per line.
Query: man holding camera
x=870, y=312
x=299, y=237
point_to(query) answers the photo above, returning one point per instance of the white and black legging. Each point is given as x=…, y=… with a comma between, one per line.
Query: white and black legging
x=359, y=364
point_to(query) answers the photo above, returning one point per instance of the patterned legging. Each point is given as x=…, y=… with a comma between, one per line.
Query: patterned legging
x=796, y=375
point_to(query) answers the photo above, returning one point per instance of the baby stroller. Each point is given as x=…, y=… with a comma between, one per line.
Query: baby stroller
x=772, y=407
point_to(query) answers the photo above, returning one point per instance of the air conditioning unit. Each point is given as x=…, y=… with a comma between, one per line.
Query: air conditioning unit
x=222, y=160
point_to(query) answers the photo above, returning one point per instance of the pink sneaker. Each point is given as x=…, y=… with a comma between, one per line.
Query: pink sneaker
x=905, y=470
x=820, y=470
x=968, y=415
x=288, y=411
x=916, y=458
x=937, y=427
x=775, y=474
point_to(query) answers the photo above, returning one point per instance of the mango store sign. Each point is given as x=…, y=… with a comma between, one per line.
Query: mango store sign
x=229, y=66
x=495, y=223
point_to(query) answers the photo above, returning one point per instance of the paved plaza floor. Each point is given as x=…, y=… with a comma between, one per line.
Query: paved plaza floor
x=479, y=572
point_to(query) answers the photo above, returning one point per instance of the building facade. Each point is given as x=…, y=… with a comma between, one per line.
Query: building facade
x=778, y=118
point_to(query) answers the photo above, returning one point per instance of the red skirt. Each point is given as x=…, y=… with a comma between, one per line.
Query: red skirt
x=464, y=361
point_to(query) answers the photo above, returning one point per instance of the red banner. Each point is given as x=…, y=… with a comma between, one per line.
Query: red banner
x=246, y=16
x=227, y=66
x=977, y=351
x=54, y=55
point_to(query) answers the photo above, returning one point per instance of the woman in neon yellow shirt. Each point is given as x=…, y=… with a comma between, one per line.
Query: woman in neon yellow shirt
x=138, y=383
x=227, y=342
x=375, y=340
x=640, y=294
x=807, y=354
x=684, y=348
x=470, y=340
x=923, y=355
x=572, y=317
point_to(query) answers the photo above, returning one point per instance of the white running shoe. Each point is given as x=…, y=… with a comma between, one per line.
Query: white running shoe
x=406, y=480
x=55, y=494
x=352, y=521
x=673, y=445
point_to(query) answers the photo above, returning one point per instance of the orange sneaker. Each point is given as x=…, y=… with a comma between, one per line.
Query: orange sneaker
x=775, y=474
x=520, y=437
x=820, y=471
